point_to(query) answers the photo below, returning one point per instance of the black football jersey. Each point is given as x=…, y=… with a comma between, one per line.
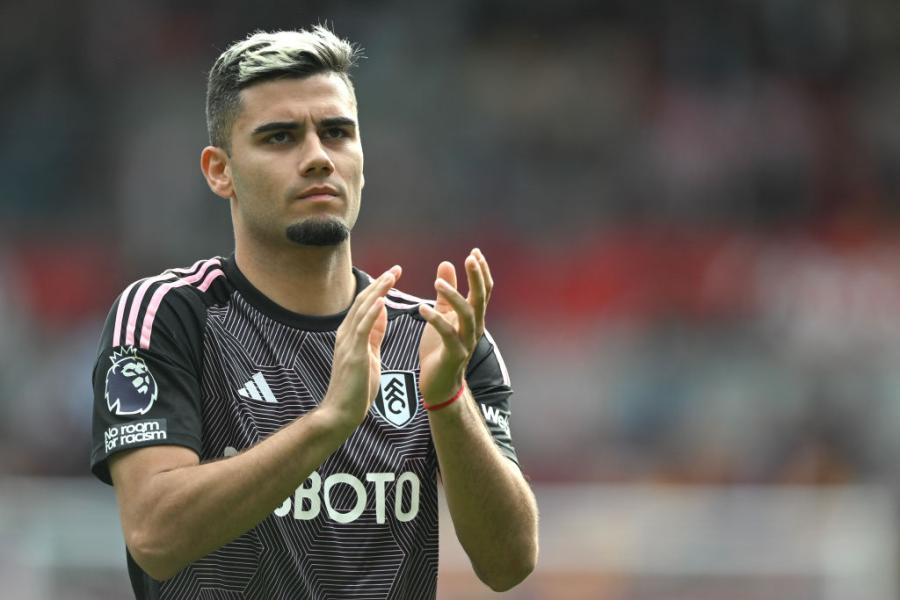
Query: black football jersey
x=200, y=358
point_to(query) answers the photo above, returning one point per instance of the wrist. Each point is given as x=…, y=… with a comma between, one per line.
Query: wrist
x=445, y=402
x=340, y=423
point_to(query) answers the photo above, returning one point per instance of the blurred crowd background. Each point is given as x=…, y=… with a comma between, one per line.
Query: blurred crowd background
x=691, y=210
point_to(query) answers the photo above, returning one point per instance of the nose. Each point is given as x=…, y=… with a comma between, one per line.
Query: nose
x=315, y=159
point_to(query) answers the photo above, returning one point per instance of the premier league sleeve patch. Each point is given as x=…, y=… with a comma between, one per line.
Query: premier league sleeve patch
x=397, y=398
x=130, y=387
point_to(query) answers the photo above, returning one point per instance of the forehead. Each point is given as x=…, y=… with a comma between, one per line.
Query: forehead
x=295, y=99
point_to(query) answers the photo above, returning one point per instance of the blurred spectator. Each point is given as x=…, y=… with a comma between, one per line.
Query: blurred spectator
x=692, y=209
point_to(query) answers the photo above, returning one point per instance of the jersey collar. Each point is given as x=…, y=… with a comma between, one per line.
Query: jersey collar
x=277, y=312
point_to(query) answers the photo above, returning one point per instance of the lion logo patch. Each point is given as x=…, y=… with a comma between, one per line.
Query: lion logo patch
x=130, y=387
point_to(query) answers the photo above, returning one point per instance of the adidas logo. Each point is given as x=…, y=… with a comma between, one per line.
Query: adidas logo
x=257, y=389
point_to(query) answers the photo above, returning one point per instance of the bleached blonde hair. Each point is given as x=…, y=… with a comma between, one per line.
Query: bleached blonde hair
x=263, y=56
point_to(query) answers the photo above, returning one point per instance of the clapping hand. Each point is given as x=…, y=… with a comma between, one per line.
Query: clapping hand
x=455, y=325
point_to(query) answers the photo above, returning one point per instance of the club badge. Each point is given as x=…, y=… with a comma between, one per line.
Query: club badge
x=397, y=397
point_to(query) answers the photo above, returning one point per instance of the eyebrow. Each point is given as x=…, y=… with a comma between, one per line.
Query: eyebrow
x=293, y=125
x=276, y=126
x=337, y=122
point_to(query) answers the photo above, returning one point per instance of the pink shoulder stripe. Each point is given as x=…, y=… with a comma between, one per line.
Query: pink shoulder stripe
x=128, y=326
x=207, y=274
x=138, y=300
x=136, y=305
x=120, y=314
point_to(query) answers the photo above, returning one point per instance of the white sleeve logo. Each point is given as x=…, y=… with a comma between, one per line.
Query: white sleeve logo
x=495, y=416
x=130, y=388
x=135, y=433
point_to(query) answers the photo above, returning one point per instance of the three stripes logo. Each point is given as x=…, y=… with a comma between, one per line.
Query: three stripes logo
x=257, y=389
x=397, y=398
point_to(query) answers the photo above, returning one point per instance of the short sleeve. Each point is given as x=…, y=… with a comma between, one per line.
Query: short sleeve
x=146, y=378
x=489, y=383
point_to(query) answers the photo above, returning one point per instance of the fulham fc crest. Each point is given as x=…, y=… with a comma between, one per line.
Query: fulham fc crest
x=397, y=397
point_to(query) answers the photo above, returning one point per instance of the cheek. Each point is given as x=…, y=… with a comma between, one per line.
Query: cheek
x=250, y=183
x=356, y=171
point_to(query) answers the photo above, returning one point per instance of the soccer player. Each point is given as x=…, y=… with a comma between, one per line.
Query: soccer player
x=274, y=422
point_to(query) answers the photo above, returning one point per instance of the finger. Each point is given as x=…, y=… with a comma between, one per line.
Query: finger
x=378, y=330
x=374, y=294
x=397, y=271
x=360, y=303
x=445, y=330
x=447, y=272
x=486, y=272
x=463, y=310
x=476, y=297
x=377, y=288
x=368, y=319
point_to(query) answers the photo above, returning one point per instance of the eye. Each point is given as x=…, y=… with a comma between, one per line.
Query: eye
x=279, y=137
x=334, y=133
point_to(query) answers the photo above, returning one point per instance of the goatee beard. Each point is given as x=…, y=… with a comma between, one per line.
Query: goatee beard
x=318, y=232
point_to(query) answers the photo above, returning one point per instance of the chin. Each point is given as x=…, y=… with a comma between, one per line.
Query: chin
x=318, y=231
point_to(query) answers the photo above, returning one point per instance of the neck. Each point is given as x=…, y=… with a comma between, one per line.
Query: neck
x=308, y=280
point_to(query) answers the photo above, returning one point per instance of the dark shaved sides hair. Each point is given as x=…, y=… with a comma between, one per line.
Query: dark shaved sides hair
x=263, y=56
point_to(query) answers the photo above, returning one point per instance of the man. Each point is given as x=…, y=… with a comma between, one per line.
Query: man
x=274, y=422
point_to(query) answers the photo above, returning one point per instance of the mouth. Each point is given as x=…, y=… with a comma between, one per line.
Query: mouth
x=319, y=193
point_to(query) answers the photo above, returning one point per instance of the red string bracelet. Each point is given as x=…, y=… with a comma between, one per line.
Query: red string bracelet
x=446, y=402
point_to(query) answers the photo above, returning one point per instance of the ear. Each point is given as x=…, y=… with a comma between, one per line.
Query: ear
x=216, y=167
